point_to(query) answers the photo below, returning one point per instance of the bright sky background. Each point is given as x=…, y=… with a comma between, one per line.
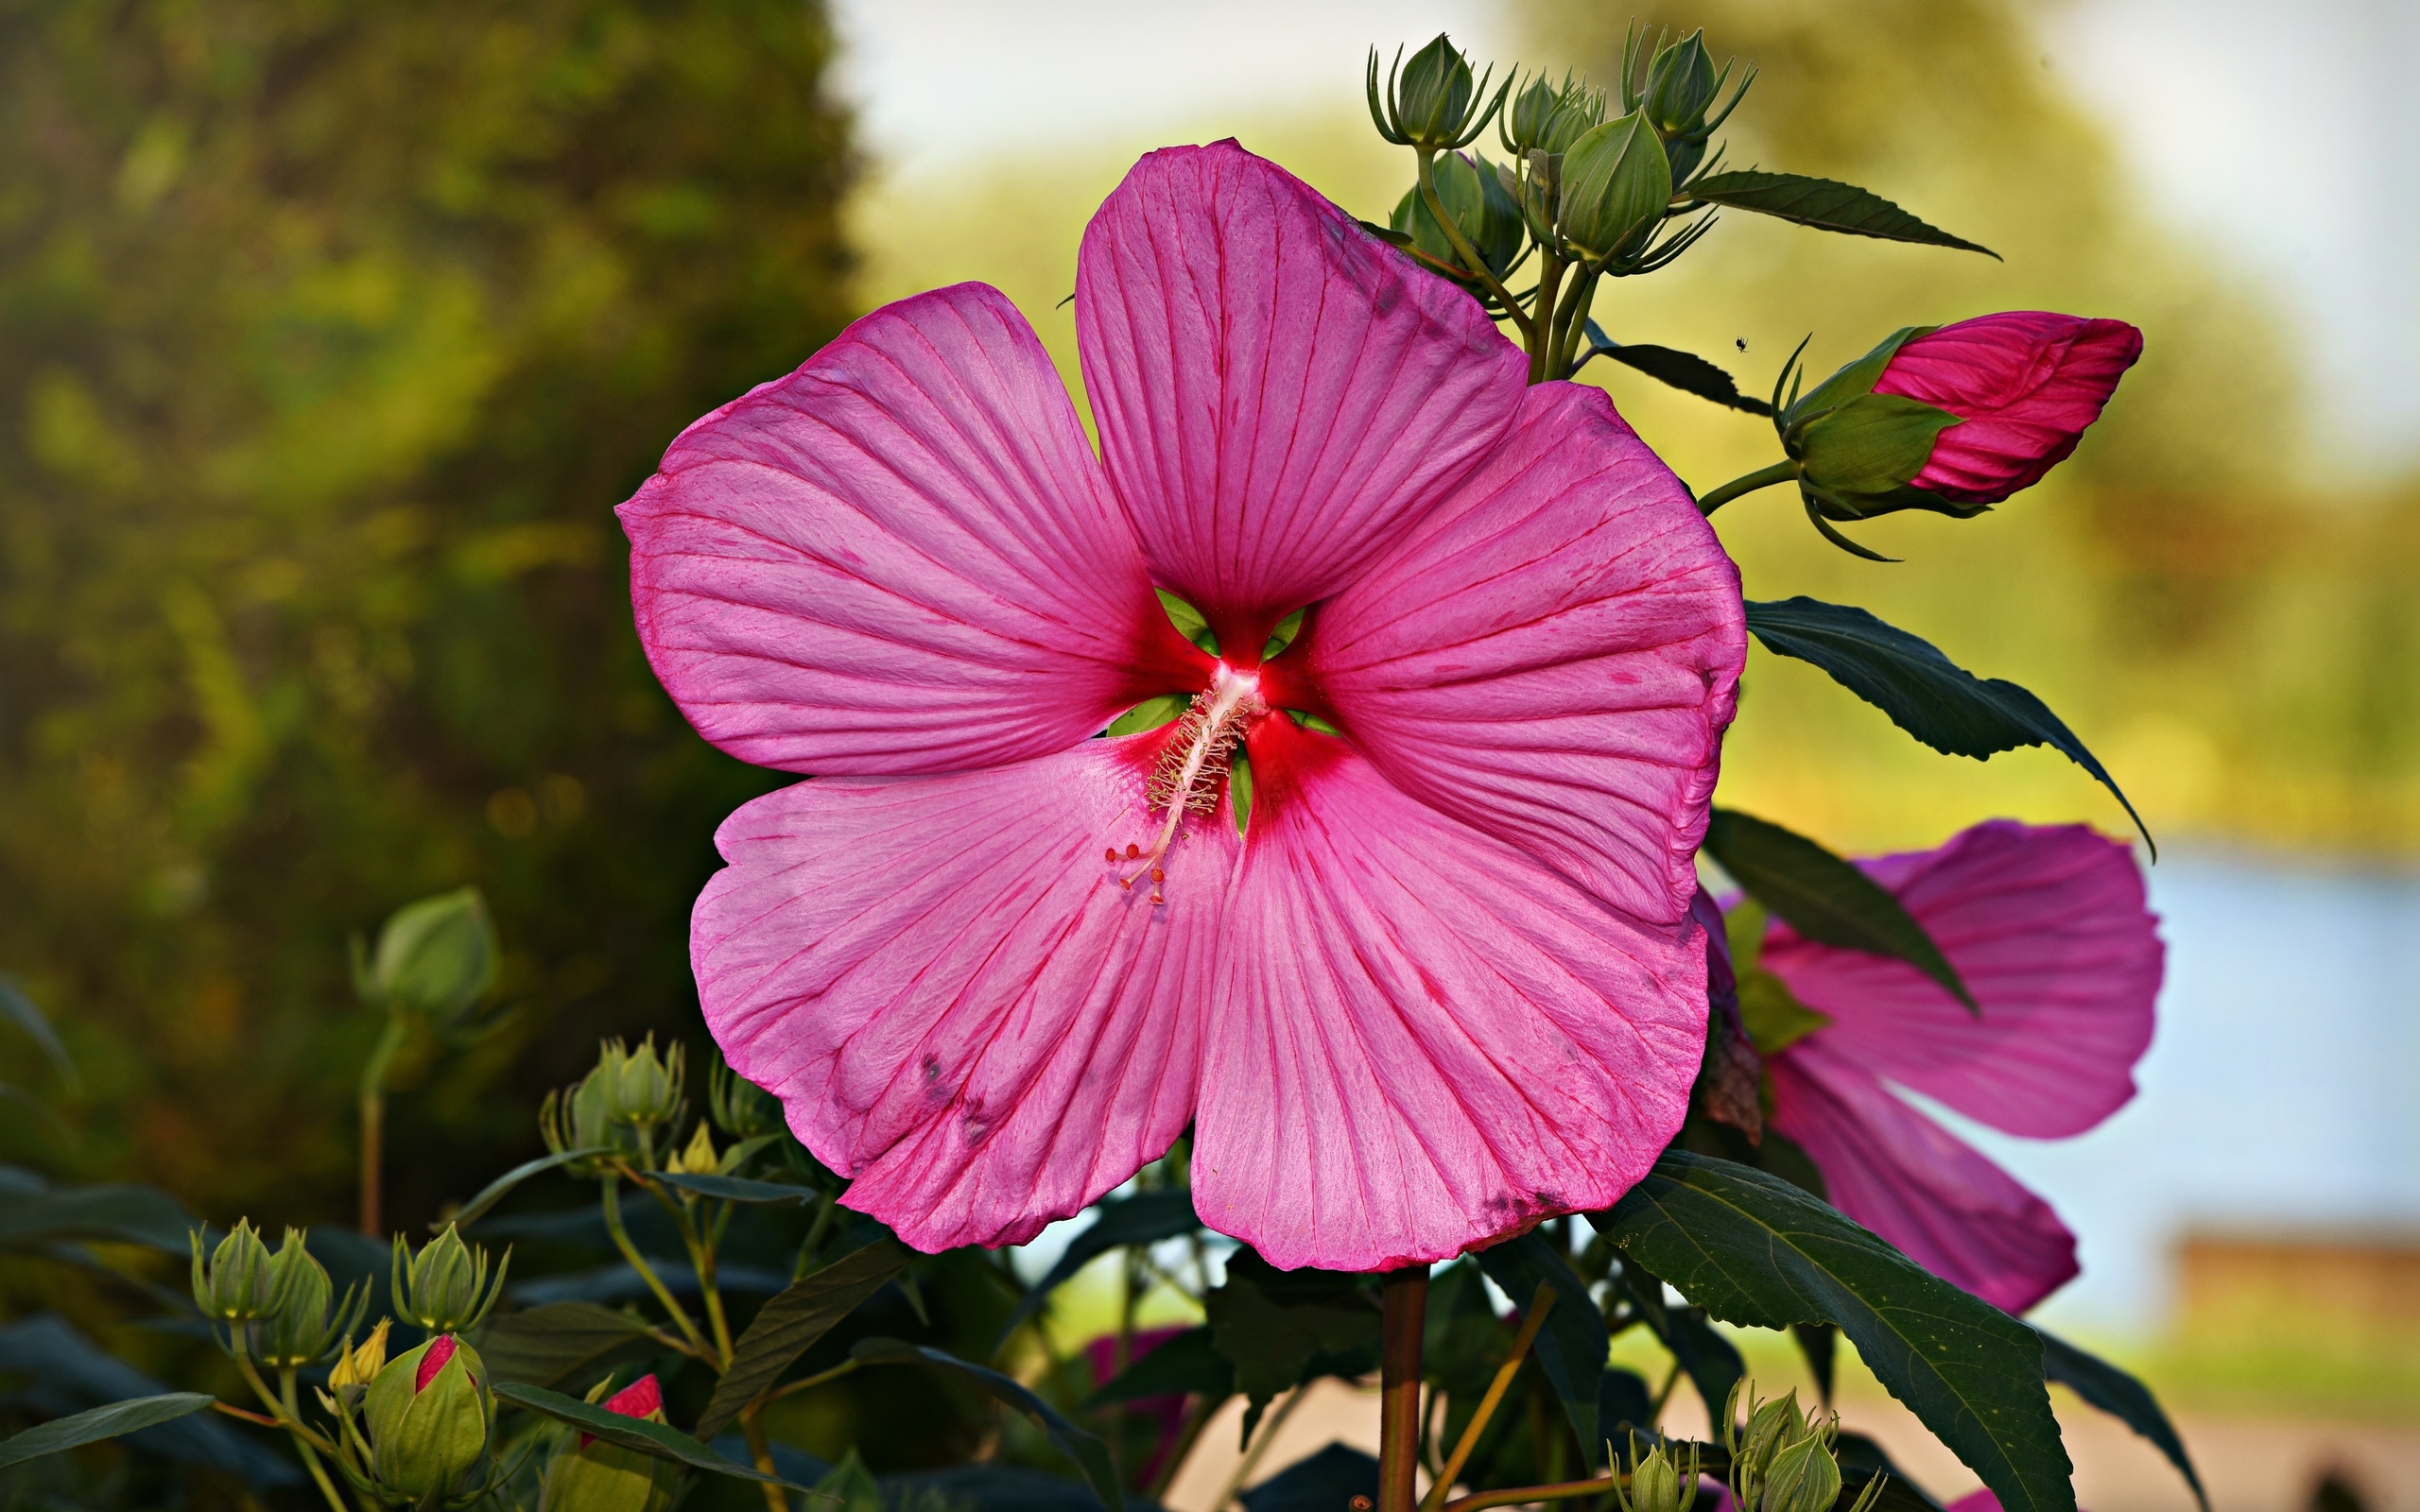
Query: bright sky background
x=2281, y=126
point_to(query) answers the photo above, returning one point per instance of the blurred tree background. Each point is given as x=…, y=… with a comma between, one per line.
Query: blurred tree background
x=330, y=335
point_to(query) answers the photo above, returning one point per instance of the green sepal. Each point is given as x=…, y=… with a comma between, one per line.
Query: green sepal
x=1872, y=445
x=1190, y=622
x=1151, y=713
x=1774, y=1017
x=1854, y=381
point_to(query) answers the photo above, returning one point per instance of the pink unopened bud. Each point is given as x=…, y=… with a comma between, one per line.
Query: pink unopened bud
x=642, y=1398
x=2024, y=385
x=440, y=1351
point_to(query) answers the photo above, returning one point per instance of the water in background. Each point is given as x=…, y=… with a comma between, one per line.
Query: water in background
x=2278, y=1095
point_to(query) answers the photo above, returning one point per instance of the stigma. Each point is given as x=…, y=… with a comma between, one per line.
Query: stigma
x=1192, y=769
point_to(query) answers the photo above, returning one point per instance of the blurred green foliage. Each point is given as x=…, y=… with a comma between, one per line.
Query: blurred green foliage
x=329, y=337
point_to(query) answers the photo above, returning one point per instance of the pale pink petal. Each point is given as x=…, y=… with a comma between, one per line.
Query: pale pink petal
x=1422, y=1039
x=902, y=557
x=1909, y=1180
x=957, y=1003
x=2048, y=928
x=1278, y=392
x=1552, y=656
x=1979, y=1499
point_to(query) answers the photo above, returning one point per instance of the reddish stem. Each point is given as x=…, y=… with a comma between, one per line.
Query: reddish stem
x=1404, y=1294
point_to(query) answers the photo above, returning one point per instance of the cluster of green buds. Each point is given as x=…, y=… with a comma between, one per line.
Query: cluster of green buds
x=624, y=1103
x=1661, y=1479
x=279, y=1309
x=1782, y=1460
x=444, y=1288
x=1678, y=97
x=1594, y=193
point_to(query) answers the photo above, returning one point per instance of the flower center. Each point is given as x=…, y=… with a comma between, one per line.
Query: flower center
x=1192, y=767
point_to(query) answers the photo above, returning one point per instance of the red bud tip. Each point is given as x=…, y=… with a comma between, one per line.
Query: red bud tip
x=440, y=1351
x=642, y=1398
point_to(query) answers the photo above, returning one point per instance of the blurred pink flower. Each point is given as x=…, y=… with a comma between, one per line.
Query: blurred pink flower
x=643, y=1398
x=2024, y=384
x=1445, y=987
x=1168, y=1411
x=2049, y=930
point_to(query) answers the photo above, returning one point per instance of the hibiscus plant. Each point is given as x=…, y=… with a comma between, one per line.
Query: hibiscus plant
x=1280, y=836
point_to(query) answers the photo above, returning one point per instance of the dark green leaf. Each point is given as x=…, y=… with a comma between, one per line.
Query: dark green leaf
x=1623, y=1397
x=660, y=1439
x=2123, y=1398
x=92, y=1426
x=561, y=1342
x=1572, y=1343
x=736, y=1189
x=1282, y=1328
x=1145, y=1218
x=1326, y=1482
x=1463, y=1339
x=1685, y=371
x=1925, y=693
x=1752, y=1250
x=1825, y=898
x=1185, y=1365
x=1708, y=1359
x=1090, y=1454
x=495, y=1190
x=1824, y=204
x=125, y=1214
x=18, y=1008
x=790, y=1324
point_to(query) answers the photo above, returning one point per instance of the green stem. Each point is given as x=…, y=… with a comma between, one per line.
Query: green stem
x=1570, y=323
x=1663, y=1394
x=302, y=1446
x=760, y=1450
x=1763, y=477
x=701, y=1260
x=1463, y=249
x=1516, y=1495
x=373, y=1123
x=678, y=1314
x=814, y=1240
x=1442, y=1485
x=1549, y=286
x=844, y=1368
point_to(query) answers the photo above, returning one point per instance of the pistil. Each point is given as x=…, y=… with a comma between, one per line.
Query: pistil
x=1193, y=767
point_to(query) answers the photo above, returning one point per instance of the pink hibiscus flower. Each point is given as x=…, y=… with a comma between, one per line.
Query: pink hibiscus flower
x=2049, y=930
x=1445, y=985
x=1166, y=1414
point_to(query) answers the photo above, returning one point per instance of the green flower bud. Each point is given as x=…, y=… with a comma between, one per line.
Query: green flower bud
x=300, y=1332
x=1802, y=1477
x=1526, y=121
x=1616, y=186
x=1661, y=1481
x=1579, y=112
x=642, y=1092
x=591, y=1475
x=427, y=1416
x=1433, y=94
x=436, y=957
x=239, y=1282
x=1680, y=86
x=1481, y=205
x=444, y=1288
x=740, y=1108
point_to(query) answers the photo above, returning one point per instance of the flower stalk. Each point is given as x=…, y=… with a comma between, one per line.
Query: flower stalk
x=1403, y=1298
x=1763, y=477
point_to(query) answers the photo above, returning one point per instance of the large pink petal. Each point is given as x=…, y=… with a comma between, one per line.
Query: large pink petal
x=2048, y=928
x=945, y=985
x=1422, y=1039
x=1909, y=1180
x=902, y=557
x=1552, y=656
x=1278, y=392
